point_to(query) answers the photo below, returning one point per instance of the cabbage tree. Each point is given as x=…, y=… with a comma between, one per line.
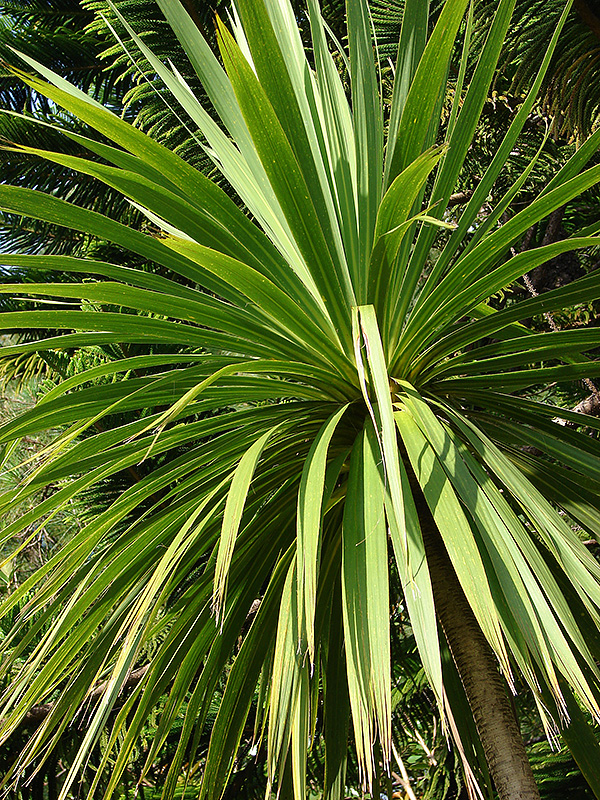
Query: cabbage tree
x=325, y=402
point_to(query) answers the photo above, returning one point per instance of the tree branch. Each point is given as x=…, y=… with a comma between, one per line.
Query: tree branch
x=37, y=714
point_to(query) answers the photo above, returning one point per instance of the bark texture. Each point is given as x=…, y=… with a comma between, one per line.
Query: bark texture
x=478, y=669
x=588, y=16
x=591, y=405
x=37, y=714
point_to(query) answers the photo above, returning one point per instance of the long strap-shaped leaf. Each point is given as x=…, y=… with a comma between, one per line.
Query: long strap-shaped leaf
x=205, y=310
x=485, y=185
x=221, y=232
x=286, y=676
x=338, y=135
x=504, y=204
x=468, y=283
x=581, y=290
x=394, y=211
x=241, y=683
x=30, y=203
x=426, y=87
x=368, y=134
x=159, y=159
x=241, y=167
x=564, y=487
x=575, y=449
x=400, y=509
x=281, y=68
x=301, y=733
x=251, y=183
x=133, y=630
x=365, y=600
x=413, y=38
x=409, y=551
x=240, y=690
x=449, y=515
x=336, y=705
x=459, y=139
x=232, y=516
x=477, y=262
x=177, y=171
x=529, y=410
x=375, y=385
x=556, y=534
x=310, y=512
x=523, y=350
x=512, y=381
x=289, y=183
x=140, y=328
x=506, y=541
x=482, y=287
x=264, y=293
x=228, y=277
x=548, y=602
x=91, y=268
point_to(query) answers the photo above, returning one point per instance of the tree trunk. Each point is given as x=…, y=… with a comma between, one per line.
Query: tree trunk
x=478, y=669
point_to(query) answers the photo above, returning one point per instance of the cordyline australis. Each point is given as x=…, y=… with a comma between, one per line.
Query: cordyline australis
x=329, y=409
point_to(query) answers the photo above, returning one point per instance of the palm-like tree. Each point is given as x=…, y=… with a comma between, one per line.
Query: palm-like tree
x=341, y=401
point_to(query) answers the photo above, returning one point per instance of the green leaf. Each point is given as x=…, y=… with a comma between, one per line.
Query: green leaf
x=232, y=516
x=582, y=742
x=395, y=209
x=286, y=677
x=413, y=38
x=289, y=183
x=459, y=138
x=366, y=334
x=368, y=137
x=581, y=290
x=336, y=704
x=519, y=379
x=235, y=704
x=484, y=186
x=243, y=170
x=523, y=350
x=557, y=537
x=19, y=200
x=467, y=284
x=365, y=601
x=337, y=132
x=425, y=438
x=427, y=85
x=309, y=519
x=281, y=67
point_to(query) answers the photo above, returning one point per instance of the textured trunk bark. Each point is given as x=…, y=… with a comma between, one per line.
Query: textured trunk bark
x=478, y=669
x=591, y=406
x=588, y=16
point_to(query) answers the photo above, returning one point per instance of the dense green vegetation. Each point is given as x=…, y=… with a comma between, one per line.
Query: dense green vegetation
x=299, y=423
